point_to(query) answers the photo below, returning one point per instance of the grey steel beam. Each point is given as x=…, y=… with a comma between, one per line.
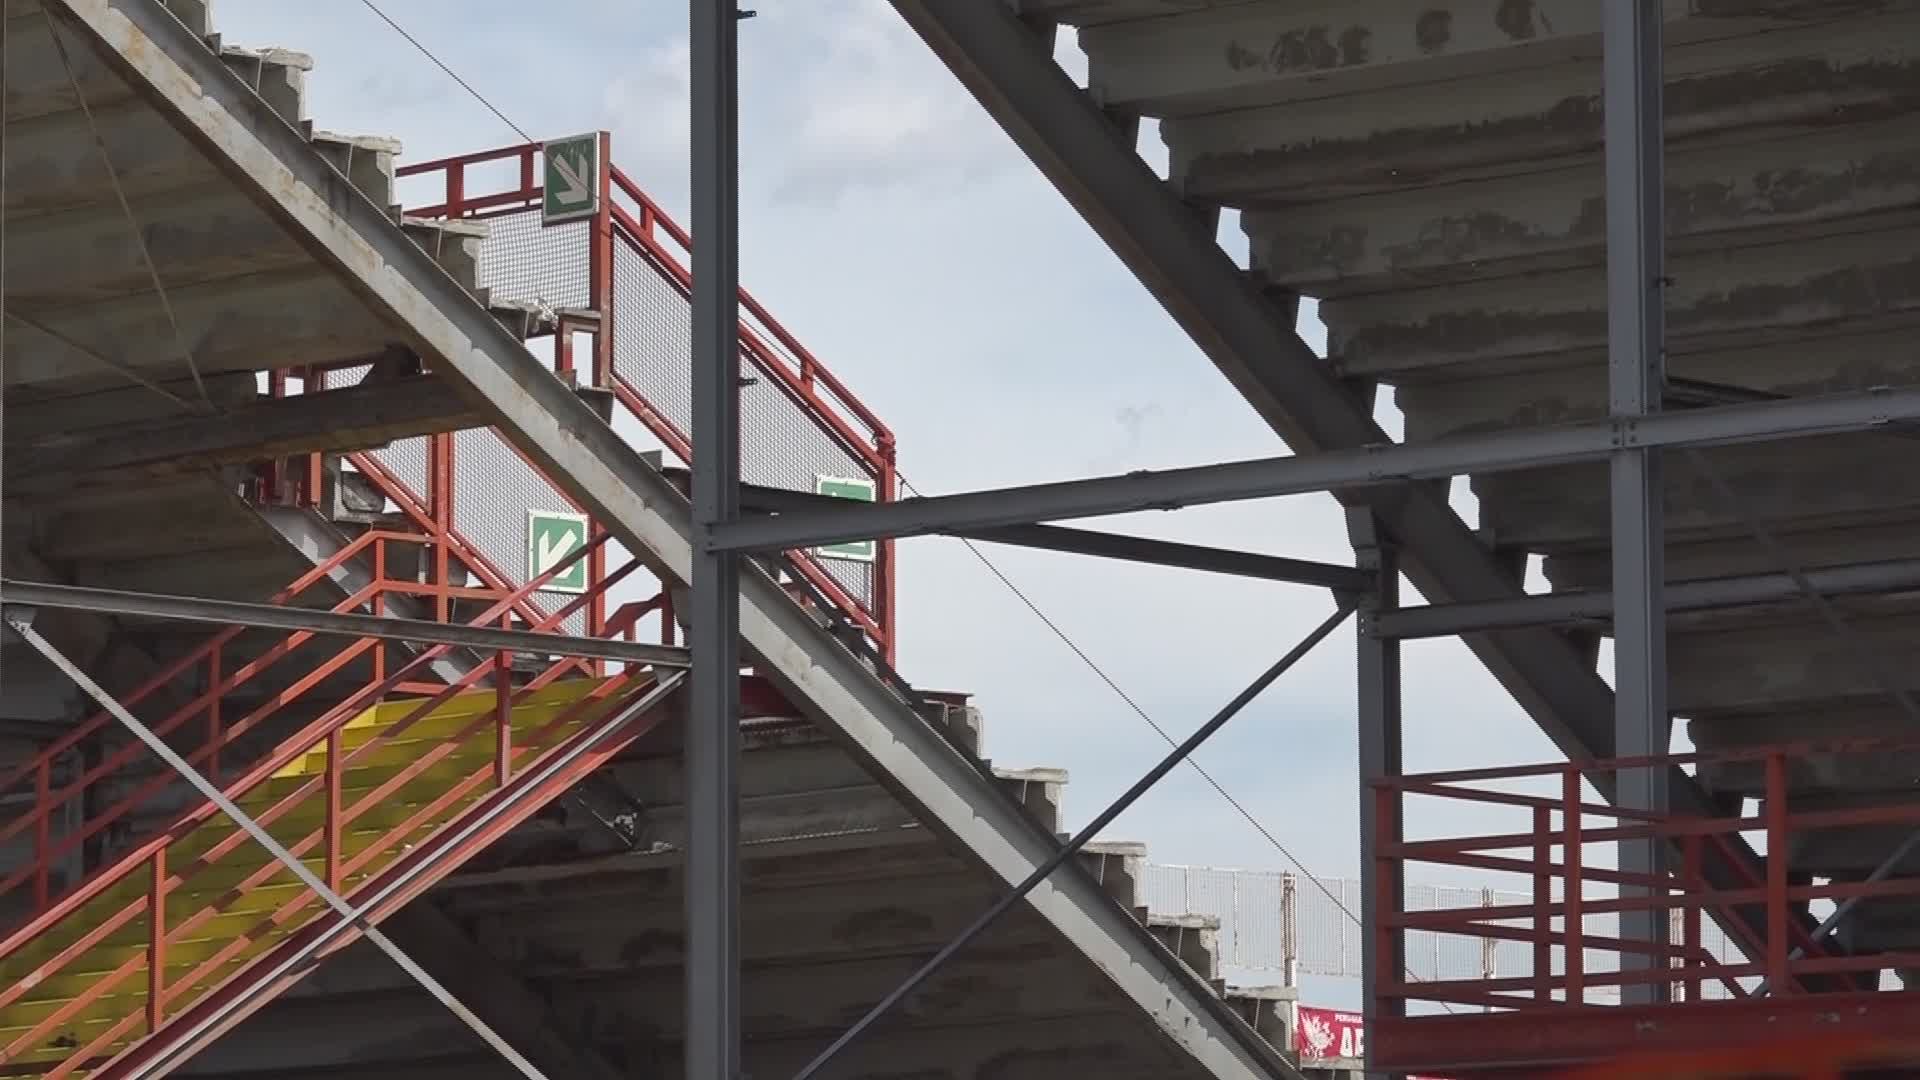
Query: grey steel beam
x=1378, y=695
x=756, y=498
x=1251, y=339
x=198, y=609
x=1081, y=839
x=1596, y=605
x=1338, y=471
x=356, y=418
x=171, y=68
x=1207, y=560
x=712, y=879
x=1636, y=377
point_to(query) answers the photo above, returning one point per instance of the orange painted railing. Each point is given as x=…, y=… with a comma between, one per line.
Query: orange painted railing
x=1549, y=847
x=218, y=732
x=149, y=859
x=1784, y=982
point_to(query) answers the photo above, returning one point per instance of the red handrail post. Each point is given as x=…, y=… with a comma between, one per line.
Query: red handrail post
x=886, y=580
x=1575, y=932
x=503, y=712
x=1542, y=905
x=42, y=834
x=214, y=723
x=600, y=272
x=379, y=604
x=1776, y=818
x=441, y=482
x=335, y=780
x=456, y=190
x=157, y=941
x=313, y=476
x=1390, y=900
x=1690, y=933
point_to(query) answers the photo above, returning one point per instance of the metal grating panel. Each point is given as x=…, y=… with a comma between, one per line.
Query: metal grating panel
x=494, y=488
x=522, y=261
x=653, y=338
x=781, y=445
x=406, y=459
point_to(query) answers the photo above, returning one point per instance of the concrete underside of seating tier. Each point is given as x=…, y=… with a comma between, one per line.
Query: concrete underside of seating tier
x=1433, y=174
x=843, y=897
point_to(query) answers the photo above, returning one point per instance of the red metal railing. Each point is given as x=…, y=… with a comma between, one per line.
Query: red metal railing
x=633, y=221
x=1551, y=826
x=456, y=557
x=167, y=925
x=217, y=733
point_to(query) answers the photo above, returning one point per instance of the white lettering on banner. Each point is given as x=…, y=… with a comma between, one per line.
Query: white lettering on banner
x=1325, y=1036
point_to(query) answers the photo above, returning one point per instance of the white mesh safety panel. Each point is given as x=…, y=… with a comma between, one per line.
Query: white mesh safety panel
x=781, y=444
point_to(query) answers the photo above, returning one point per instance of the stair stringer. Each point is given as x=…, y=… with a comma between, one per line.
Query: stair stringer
x=467, y=834
x=570, y=442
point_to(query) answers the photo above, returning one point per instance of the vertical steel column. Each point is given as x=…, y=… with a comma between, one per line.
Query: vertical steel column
x=713, y=727
x=1636, y=363
x=1383, y=953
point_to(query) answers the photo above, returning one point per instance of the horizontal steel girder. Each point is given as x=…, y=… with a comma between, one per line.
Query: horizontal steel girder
x=32, y=594
x=1596, y=605
x=755, y=498
x=1329, y=470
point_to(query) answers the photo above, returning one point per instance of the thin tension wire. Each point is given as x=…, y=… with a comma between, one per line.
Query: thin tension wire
x=1093, y=828
x=1133, y=705
x=437, y=62
x=348, y=914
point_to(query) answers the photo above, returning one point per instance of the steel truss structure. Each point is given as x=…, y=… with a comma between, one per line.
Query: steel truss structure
x=1681, y=856
x=1675, y=855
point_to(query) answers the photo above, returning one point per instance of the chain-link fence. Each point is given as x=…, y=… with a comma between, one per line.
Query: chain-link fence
x=1294, y=925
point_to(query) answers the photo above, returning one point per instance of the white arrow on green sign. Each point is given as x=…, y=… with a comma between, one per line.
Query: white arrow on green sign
x=861, y=489
x=553, y=535
x=571, y=179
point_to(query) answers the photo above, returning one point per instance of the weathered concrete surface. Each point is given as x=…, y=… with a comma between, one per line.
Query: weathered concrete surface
x=832, y=919
x=1434, y=174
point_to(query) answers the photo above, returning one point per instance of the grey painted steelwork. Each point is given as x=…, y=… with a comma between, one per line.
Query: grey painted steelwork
x=1596, y=605
x=20, y=621
x=759, y=499
x=712, y=886
x=173, y=68
x=1086, y=834
x=274, y=617
x=1636, y=342
x=1338, y=471
x=1378, y=694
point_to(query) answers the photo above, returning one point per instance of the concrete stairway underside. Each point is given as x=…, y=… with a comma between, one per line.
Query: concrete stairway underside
x=844, y=896
x=1433, y=174
x=234, y=222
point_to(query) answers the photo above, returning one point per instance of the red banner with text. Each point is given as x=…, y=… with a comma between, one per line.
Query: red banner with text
x=1325, y=1036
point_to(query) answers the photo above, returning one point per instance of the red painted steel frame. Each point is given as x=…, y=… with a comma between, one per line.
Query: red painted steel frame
x=165, y=877
x=1547, y=1019
x=769, y=346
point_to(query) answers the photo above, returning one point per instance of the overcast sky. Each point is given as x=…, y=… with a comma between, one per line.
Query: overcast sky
x=903, y=237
